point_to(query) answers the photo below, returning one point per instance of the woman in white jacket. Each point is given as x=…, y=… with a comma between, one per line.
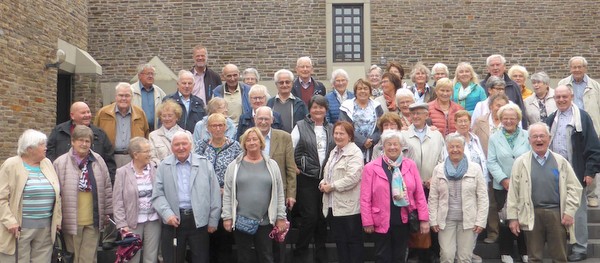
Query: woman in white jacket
x=341, y=193
x=458, y=202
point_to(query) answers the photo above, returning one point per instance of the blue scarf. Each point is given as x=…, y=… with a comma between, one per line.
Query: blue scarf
x=456, y=173
x=397, y=184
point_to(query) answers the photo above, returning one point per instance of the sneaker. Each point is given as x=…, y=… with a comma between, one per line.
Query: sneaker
x=592, y=201
x=489, y=240
x=476, y=259
x=524, y=258
x=506, y=259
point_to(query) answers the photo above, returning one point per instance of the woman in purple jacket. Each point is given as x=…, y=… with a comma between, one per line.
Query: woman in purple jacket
x=390, y=189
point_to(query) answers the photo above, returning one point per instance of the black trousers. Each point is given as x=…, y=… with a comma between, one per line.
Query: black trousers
x=221, y=243
x=187, y=235
x=312, y=223
x=263, y=246
x=392, y=246
x=348, y=235
x=506, y=238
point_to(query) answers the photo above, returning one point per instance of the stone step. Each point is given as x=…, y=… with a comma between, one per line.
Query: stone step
x=594, y=214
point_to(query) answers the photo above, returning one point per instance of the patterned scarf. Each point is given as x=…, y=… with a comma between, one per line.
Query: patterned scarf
x=456, y=173
x=390, y=101
x=398, y=185
x=84, y=184
x=510, y=138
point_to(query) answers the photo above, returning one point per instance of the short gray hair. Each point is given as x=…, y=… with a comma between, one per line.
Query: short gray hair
x=489, y=59
x=182, y=73
x=124, y=85
x=143, y=67
x=494, y=81
x=391, y=134
x=404, y=93
x=585, y=63
x=261, y=108
x=305, y=58
x=540, y=124
x=135, y=145
x=440, y=66
x=30, y=139
x=518, y=68
x=541, y=77
x=375, y=67
x=283, y=71
x=186, y=135
x=339, y=72
x=251, y=71
x=452, y=137
x=260, y=89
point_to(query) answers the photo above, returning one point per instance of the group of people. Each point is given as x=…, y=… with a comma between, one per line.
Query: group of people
x=223, y=162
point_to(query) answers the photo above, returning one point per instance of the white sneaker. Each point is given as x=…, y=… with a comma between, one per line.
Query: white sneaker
x=476, y=259
x=524, y=258
x=506, y=259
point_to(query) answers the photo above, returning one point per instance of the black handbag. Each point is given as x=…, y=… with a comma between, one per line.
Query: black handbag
x=59, y=251
x=413, y=222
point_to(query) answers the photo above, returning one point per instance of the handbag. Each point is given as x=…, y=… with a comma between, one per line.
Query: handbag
x=413, y=222
x=419, y=241
x=59, y=251
x=246, y=225
x=280, y=236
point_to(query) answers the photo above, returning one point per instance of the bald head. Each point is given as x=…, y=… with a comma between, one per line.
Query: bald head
x=81, y=114
x=231, y=74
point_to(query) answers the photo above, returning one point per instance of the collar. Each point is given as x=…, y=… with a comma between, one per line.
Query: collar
x=117, y=110
x=291, y=97
x=305, y=83
x=183, y=98
x=144, y=89
x=584, y=80
x=340, y=95
x=567, y=112
x=196, y=72
x=226, y=90
x=188, y=160
x=269, y=134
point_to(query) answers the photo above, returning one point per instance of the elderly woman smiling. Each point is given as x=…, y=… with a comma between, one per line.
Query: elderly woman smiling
x=467, y=92
x=519, y=75
x=29, y=202
x=504, y=147
x=390, y=83
x=542, y=104
x=340, y=93
x=458, y=202
x=169, y=113
x=390, y=190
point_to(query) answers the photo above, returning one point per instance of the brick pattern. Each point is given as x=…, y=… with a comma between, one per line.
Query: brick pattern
x=28, y=40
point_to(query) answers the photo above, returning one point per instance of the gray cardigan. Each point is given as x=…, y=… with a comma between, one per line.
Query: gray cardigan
x=277, y=204
x=205, y=191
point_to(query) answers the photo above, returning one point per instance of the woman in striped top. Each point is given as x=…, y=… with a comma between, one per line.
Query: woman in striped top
x=29, y=202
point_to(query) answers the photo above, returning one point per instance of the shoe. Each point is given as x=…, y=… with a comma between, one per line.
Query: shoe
x=524, y=258
x=476, y=259
x=592, y=201
x=489, y=240
x=576, y=257
x=506, y=259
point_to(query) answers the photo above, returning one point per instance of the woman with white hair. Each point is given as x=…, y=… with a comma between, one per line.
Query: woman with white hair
x=419, y=76
x=458, y=202
x=29, y=202
x=504, y=147
x=390, y=190
x=340, y=93
x=250, y=76
x=374, y=74
x=540, y=106
x=519, y=75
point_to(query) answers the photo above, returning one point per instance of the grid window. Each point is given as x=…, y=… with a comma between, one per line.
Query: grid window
x=348, y=33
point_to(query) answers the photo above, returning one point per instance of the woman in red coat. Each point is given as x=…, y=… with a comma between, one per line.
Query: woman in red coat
x=442, y=109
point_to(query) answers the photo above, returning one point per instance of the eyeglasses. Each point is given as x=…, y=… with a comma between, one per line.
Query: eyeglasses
x=149, y=74
x=284, y=82
x=257, y=98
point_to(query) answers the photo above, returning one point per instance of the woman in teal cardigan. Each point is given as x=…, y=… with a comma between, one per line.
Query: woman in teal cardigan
x=466, y=90
x=506, y=145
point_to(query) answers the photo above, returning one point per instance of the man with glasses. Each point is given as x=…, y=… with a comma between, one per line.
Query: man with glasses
x=234, y=92
x=291, y=108
x=192, y=106
x=305, y=86
x=146, y=95
x=258, y=96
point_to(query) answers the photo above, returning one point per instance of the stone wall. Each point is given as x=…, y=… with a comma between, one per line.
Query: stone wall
x=269, y=35
x=29, y=32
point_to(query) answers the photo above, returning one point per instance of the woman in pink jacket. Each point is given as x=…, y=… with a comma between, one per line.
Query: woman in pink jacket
x=390, y=189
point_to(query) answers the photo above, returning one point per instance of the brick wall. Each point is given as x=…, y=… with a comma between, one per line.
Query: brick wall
x=270, y=35
x=29, y=31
